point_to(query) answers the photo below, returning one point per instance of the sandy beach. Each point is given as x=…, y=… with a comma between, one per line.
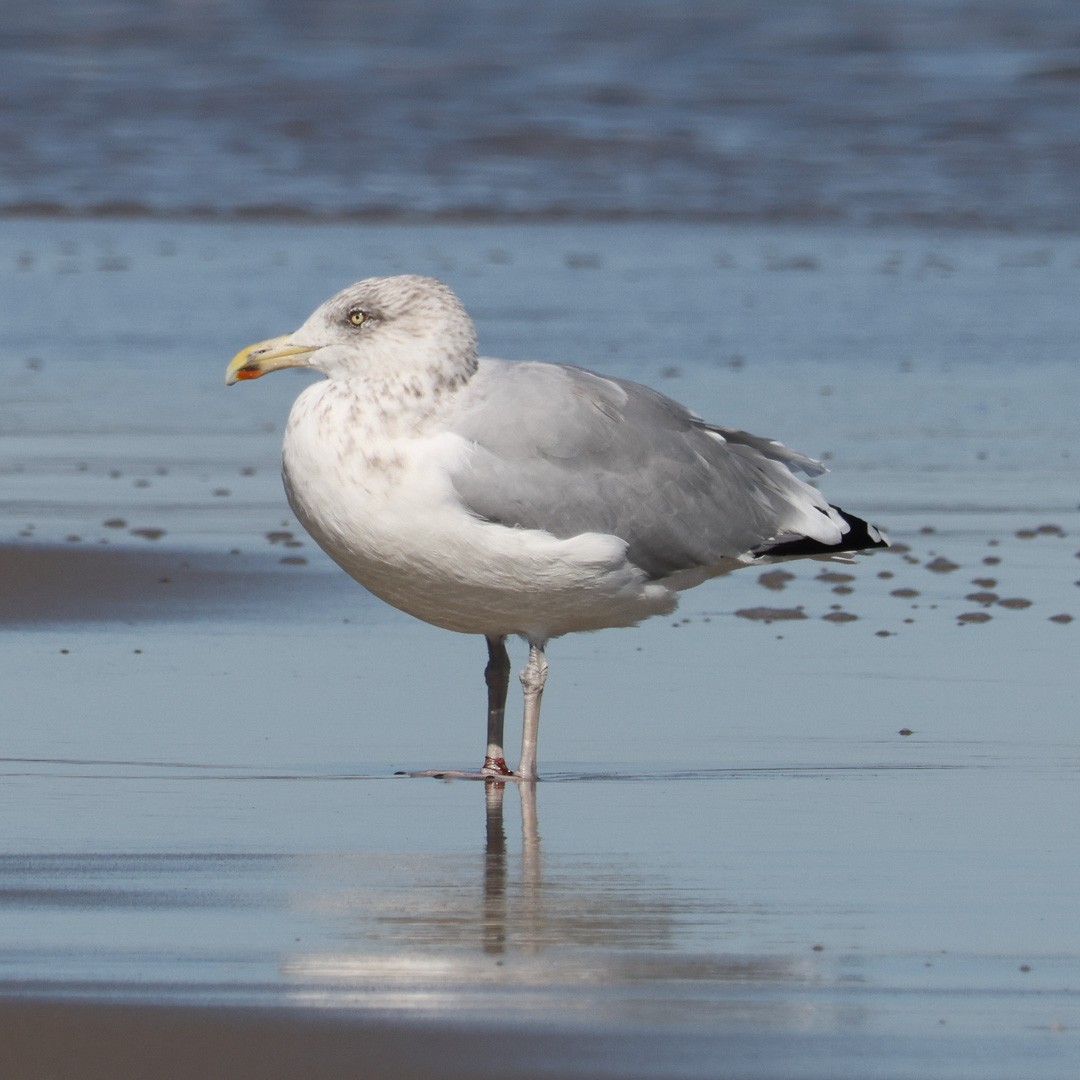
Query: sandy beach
x=817, y=826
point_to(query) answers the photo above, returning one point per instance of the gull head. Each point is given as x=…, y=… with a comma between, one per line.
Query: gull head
x=385, y=329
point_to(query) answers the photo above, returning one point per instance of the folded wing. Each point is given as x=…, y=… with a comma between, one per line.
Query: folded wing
x=567, y=451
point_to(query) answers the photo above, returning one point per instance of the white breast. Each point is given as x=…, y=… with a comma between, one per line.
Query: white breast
x=375, y=493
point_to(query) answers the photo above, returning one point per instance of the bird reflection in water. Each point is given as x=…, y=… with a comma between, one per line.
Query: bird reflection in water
x=495, y=863
x=409, y=931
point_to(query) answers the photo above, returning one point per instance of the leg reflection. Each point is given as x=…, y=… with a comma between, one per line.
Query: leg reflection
x=504, y=901
x=494, y=930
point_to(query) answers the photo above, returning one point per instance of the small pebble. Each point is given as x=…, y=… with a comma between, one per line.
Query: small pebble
x=941, y=565
x=770, y=614
x=775, y=579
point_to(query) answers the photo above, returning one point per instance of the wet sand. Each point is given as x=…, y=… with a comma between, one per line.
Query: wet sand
x=818, y=825
x=50, y=1041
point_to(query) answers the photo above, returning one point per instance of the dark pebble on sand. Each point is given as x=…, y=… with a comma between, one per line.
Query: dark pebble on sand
x=293, y=560
x=115, y=523
x=941, y=565
x=770, y=614
x=1062, y=618
x=1015, y=603
x=840, y=617
x=974, y=617
x=982, y=597
x=775, y=579
x=904, y=594
x=148, y=534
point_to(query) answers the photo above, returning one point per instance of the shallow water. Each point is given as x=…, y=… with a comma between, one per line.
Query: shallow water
x=944, y=111
x=738, y=863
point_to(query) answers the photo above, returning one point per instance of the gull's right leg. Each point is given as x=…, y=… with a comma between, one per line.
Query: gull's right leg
x=497, y=677
x=533, y=676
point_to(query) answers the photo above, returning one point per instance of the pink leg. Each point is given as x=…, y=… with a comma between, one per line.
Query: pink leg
x=533, y=677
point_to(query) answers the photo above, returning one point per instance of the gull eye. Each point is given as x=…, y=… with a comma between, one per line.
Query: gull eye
x=357, y=316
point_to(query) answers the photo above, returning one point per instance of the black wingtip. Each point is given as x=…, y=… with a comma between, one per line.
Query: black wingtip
x=861, y=536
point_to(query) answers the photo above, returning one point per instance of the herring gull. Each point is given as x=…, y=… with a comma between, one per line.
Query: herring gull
x=503, y=497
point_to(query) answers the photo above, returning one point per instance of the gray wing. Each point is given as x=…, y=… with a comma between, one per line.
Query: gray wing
x=568, y=451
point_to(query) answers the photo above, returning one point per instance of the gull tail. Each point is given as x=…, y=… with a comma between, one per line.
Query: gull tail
x=860, y=536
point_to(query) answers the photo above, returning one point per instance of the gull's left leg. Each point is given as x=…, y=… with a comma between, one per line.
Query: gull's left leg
x=533, y=677
x=497, y=677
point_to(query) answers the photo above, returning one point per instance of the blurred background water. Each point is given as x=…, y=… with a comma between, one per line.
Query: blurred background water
x=954, y=112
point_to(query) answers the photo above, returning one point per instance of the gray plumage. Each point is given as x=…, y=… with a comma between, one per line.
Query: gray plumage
x=568, y=451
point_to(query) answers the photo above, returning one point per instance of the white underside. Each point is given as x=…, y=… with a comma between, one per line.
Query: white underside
x=383, y=508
